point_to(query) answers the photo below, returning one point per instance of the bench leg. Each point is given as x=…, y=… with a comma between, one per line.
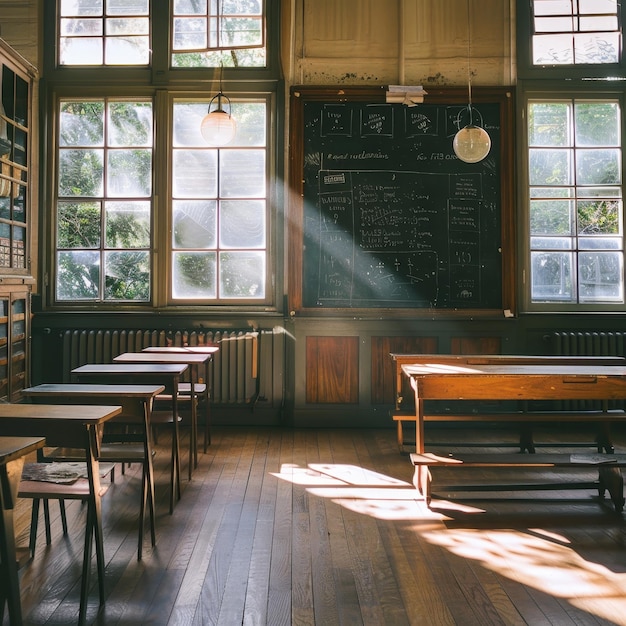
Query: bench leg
x=526, y=441
x=611, y=479
x=421, y=480
x=400, y=435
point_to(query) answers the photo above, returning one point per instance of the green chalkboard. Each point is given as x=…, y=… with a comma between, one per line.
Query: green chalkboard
x=390, y=217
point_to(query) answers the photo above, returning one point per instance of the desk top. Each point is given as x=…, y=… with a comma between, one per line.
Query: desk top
x=12, y=448
x=124, y=369
x=508, y=359
x=183, y=349
x=77, y=413
x=88, y=390
x=162, y=357
x=476, y=370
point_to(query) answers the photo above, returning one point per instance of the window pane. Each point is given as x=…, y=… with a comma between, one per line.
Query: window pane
x=78, y=225
x=550, y=167
x=597, y=124
x=242, y=173
x=127, y=51
x=195, y=224
x=552, y=276
x=194, y=275
x=81, y=172
x=599, y=217
x=600, y=276
x=552, y=217
x=127, y=7
x=195, y=174
x=81, y=7
x=549, y=125
x=129, y=173
x=81, y=124
x=242, y=224
x=130, y=124
x=127, y=224
x=78, y=275
x=598, y=167
x=242, y=274
x=552, y=243
x=127, y=275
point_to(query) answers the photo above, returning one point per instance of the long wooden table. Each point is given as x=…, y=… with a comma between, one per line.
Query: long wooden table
x=75, y=426
x=511, y=382
x=168, y=375
x=12, y=453
x=136, y=402
x=403, y=413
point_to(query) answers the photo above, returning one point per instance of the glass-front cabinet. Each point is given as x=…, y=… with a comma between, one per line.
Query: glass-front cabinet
x=17, y=77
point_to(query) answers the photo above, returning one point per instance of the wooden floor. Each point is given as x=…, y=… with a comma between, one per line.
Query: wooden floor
x=322, y=527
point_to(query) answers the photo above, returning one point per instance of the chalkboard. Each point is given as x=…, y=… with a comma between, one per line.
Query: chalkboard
x=390, y=216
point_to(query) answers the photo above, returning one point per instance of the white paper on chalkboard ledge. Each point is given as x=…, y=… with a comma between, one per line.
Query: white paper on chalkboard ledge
x=405, y=94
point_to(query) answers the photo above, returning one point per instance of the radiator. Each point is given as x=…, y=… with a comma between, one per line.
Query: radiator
x=589, y=343
x=243, y=371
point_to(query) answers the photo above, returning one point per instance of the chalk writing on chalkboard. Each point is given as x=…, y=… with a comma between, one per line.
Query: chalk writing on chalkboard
x=391, y=217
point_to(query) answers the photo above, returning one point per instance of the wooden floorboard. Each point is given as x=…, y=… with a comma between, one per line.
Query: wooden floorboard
x=306, y=527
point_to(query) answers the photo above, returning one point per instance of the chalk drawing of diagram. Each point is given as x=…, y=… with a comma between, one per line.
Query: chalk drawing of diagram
x=400, y=277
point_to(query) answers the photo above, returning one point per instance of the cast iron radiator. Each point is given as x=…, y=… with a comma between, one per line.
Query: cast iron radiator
x=243, y=371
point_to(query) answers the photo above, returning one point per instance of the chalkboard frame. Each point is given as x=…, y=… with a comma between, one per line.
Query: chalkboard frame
x=299, y=95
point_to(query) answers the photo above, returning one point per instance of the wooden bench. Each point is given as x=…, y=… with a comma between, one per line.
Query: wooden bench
x=608, y=465
x=523, y=417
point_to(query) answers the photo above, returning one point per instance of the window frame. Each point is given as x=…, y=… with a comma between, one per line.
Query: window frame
x=540, y=92
x=163, y=84
x=526, y=70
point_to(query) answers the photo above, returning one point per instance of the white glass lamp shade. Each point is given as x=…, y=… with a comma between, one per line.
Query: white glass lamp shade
x=472, y=144
x=218, y=128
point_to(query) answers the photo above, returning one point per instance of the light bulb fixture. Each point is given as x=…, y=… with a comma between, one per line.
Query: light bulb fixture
x=218, y=126
x=472, y=143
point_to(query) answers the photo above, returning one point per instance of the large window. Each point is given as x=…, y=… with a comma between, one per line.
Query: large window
x=146, y=212
x=104, y=189
x=571, y=69
x=575, y=204
x=219, y=207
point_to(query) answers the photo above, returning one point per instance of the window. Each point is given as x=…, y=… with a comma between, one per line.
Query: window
x=575, y=32
x=575, y=204
x=104, y=32
x=571, y=67
x=201, y=29
x=146, y=212
x=103, y=200
x=219, y=206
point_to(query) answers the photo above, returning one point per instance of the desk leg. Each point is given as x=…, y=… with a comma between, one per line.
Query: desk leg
x=9, y=478
x=421, y=480
x=175, y=477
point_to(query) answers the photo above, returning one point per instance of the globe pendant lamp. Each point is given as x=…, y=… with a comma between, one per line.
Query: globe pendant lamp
x=472, y=143
x=218, y=126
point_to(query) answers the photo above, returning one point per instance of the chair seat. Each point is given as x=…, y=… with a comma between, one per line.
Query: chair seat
x=37, y=489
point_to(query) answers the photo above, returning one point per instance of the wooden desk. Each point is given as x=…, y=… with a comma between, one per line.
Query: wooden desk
x=194, y=360
x=511, y=382
x=12, y=453
x=76, y=426
x=403, y=414
x=136, y=402
x=209, y=349
x=168, y=375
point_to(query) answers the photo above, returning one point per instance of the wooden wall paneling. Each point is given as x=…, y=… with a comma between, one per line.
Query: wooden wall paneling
x=475, y=345
x=383, y=370
x=332, y=370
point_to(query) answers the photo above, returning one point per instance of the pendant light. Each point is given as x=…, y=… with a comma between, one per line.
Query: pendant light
x=472, y=143
x=218, y=126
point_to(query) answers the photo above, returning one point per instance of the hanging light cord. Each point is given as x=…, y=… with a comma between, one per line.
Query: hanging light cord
x=469, y=72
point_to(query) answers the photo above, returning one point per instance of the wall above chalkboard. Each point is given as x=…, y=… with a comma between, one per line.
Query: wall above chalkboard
x=383, y=213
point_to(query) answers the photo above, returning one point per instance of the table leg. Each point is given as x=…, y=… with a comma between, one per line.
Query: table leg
x=9, y=580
